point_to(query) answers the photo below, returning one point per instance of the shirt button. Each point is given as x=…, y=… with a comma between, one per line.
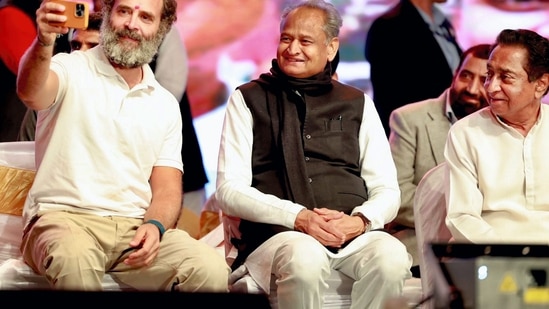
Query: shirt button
x=308, y=136
x=307, y=159
x=310, y=180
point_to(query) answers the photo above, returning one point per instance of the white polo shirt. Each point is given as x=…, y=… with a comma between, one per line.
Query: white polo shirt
x=97, y=144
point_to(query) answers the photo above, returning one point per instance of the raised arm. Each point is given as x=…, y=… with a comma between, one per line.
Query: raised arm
x=36, y=83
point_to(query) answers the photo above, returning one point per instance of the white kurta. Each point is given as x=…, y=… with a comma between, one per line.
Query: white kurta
x=497, y=180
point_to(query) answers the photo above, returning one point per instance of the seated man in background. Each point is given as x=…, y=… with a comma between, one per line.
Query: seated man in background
x=418, y=135
x=107, y=191
x=306, y=166
x=496, y=187
x=84, y=39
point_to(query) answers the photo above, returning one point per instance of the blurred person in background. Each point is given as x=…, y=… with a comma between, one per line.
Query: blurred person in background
x=17, y=31
x=415, y=37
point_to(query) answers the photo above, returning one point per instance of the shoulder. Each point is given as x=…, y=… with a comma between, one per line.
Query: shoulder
x=397, y=23
x=252, y=94
x=419, y=108
x=72, y=61
x=251, y=91
x=475, y=124
x=392, y=13
x=483, y=115
x=162, y=93
x=403, y=10
x=347, y=89
x=249, y=86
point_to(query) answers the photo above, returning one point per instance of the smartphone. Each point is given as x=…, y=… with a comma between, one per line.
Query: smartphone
x=77, y=13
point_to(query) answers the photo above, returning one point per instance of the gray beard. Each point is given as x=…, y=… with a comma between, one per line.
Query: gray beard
x=125, y=56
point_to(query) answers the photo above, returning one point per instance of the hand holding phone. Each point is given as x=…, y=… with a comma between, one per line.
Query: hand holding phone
x=77, y=13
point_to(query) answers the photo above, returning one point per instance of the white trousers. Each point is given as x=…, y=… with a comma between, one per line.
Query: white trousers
x=377, y=261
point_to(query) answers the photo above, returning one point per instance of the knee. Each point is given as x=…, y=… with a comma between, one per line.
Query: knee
x=303, y=262
x=393, y=262
x=209, y=274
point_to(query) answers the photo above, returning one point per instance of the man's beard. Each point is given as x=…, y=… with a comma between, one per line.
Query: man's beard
x=124, y=55
x=461, y=107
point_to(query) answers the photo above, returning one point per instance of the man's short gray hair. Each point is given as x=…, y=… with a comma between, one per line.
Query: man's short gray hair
x=332, y=18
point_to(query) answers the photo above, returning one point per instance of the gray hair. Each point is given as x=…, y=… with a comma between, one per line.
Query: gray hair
x=332, y=19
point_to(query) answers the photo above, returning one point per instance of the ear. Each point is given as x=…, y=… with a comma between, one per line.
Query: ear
x=333, y=46
x=541, y=85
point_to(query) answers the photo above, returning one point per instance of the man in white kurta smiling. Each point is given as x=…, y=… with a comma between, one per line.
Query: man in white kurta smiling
x=497, y=157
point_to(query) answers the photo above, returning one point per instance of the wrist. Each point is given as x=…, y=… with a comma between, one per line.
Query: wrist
x=161, y=228
x=42, y=43
x=301, y=220
x=365, y=221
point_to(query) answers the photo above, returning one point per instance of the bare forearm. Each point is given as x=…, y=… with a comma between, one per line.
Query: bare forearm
x=165, y=208
x=35, y=80
x=36, y=84
x=167, y=193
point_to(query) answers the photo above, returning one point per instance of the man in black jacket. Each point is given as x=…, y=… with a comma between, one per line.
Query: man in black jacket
x=412, y=53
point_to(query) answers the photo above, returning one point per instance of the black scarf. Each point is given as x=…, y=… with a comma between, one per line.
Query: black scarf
x=315, y=85
x=284, y=105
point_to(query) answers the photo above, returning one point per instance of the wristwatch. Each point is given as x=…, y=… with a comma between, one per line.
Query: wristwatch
x=367, y=223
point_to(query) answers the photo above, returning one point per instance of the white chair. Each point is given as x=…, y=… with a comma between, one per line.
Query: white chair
x=429, y=218
x=16, y=175
x=17, y=155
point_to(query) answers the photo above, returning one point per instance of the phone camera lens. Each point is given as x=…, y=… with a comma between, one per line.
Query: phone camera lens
x=79, y=10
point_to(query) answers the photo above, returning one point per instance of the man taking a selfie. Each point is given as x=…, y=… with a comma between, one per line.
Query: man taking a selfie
x=107, y=191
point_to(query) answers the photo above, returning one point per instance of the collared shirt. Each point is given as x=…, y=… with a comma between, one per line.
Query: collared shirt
x=444, y=34
x=448, y=111
x=97, y=144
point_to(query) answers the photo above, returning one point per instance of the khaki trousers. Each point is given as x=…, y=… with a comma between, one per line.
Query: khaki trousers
x=74, y=251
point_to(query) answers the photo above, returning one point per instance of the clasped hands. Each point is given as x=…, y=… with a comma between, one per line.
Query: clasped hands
x=331, y=228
